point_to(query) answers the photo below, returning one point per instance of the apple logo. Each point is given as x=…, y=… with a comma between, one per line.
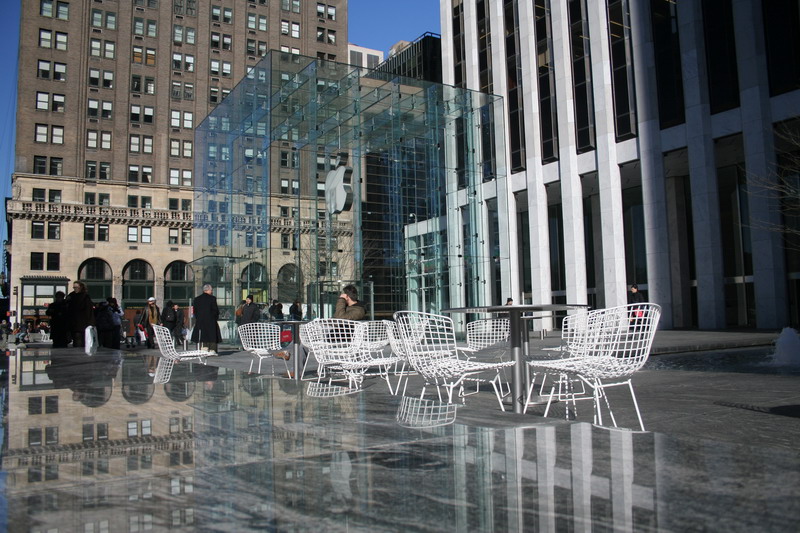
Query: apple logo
x=338, y=187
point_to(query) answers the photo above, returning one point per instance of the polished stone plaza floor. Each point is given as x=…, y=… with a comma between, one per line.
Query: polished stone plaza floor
x=92, y=445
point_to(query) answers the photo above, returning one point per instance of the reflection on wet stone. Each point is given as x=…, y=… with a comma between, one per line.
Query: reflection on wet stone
x=92, y=444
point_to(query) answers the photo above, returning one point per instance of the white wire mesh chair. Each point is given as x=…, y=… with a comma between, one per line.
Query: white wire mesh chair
x=398, y=350
x=263, y=341
x=341, y=346
x=305, y=342
x=167, y=348
x=422, y=413
x=430, y=345
x=590, y=336
x=617, y=344
x=573, y=327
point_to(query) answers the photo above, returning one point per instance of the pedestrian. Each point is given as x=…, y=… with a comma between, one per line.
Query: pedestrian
x=59, y=322
x=296, y=311
x=80, y=313
x=206, y=317
x=116, y=316
x=22, y=333
x=276, y=310
x=104, y=321
x=172, y=318
x=250, y=311
x=510, y=301
x=348, y=306
x=151, y=316
x=636, y=297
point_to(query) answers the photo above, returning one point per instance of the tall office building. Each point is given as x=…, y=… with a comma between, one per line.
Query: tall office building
x=638, y=136
x=109, y=95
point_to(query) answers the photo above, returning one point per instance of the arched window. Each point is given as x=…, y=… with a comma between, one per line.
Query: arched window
x=255, y=280
x=289, y=283
x=97, y=275
x=179, y=283
x=138, y=283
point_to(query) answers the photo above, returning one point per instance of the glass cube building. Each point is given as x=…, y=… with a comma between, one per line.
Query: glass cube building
x=315, y=175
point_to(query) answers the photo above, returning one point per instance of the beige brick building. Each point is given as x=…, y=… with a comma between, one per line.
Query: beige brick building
x=109, y=96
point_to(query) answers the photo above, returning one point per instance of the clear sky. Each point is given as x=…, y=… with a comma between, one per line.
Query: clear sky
x=376, y=24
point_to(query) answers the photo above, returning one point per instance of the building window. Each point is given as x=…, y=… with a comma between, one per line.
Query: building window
x=53, y=261
x=89, y=232
x=133, y=236
x=56, y=166
x=37, y=230
x=37, y=260
x=39, y=164
x=54, y=230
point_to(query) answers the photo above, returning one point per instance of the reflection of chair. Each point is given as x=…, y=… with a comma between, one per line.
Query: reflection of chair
x=421, y=413
x=262, y=340
x=430, y=345
x=168, y=352
x=616, y=343
x=163, y=370
x=326, y=390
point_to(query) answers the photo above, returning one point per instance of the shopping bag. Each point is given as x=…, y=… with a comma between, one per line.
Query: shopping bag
x=90, y=340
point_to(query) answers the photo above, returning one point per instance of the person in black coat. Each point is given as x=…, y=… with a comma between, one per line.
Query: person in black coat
x=206, y=315
x=172, y=318
x=80, y=313
x=59, y=321
x=250, y=311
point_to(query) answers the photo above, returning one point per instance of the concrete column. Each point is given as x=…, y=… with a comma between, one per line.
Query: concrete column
x=608, y=174
x=537, y=195
x=702, y=169
x=659, y=280
x=769, y=272
x=571, y=188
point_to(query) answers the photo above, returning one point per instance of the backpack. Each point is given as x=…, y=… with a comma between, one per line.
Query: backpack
x=103, y=319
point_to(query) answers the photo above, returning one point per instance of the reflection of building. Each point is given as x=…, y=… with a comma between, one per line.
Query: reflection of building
x=421, y=59
x=85, y=431
x=633, y=129
x=422, y=162
x=108, y=99
x=364, y=57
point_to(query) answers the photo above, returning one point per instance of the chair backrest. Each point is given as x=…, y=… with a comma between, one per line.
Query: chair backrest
x=634, y=345
x=337, y=339
x=375, y=335
x=428, y=339
x=487, y=332
x=260, y=336
x=394, y=339
x=623, y=337
x=166, y=344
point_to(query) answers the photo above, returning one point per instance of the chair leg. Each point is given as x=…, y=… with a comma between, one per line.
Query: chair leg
x=251, y=365
x=636, y=405
x=497, y=392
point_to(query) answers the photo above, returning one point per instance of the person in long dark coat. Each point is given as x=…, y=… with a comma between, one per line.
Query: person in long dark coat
x=59, y=321
x=250, y=311
x=206, y=314
x=80, y=309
